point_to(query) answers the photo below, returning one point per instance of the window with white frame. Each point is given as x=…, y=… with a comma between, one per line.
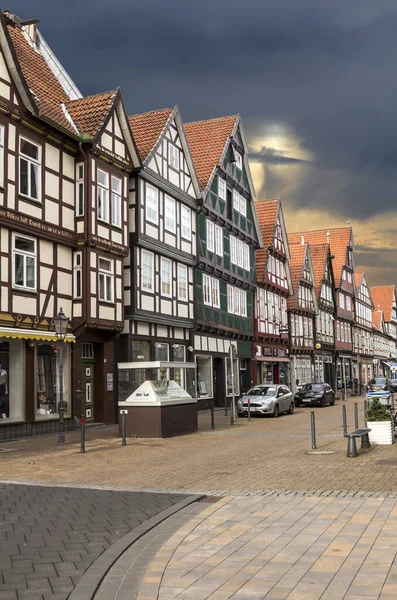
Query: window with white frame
x=170, y=214
x=218, y=240
x=166, y=277
x=236, y=301
x=173, y=156
x=341, y=300
x=207, y=297
x=210, y=236
x=349, y=277
x=79, y=190
x=103, y=195
x=240, y=253
x=116, y=201
x=2, y=129
x=230, y=299
x=236, y=200
x=348, y=303
x=24, y=258
x=186, y=222
x=243, y=206
x=147, y=271
x=246, y=257
x=29, y=169
x=182, y=282
x=211, y=294
x=105, y=274
x=77, y=275
x=152, y=204
x=243, y=303
x=216, y=300
x=233, y=250
x=239, y=160
x=221, y=188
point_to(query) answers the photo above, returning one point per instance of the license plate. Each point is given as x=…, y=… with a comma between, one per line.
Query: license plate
x=308, y=400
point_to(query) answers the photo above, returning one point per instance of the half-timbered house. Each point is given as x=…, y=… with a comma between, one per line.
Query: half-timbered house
x=159, y=282
x=385, y=299
x=228, y=235
x=64, y=167
x=302, y=309
x=342, y=246
x=271, y=345
x=363, y=338
x=381, y=365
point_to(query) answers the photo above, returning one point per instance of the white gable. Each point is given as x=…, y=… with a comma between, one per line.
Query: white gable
x=5, y=88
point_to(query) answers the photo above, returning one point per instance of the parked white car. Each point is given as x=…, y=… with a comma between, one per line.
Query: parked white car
x=266, y=399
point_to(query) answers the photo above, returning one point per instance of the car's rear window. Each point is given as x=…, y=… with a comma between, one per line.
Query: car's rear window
x=261, y=391
x=313, y=387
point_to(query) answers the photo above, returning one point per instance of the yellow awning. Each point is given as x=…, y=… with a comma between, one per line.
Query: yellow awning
x=29, y=334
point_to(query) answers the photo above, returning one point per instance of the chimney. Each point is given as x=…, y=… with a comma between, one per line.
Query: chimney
x=328, y=236
x=28, y=26
x=303, y=240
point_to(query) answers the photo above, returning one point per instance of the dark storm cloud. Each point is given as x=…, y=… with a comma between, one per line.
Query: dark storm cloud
x=324, y=70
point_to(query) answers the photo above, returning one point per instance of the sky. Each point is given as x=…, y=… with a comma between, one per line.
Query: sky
x=314, y=82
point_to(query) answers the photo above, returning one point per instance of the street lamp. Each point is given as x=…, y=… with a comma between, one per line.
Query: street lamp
x=61, y=327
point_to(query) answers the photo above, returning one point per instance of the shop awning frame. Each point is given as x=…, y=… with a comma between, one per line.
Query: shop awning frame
x=15, y=333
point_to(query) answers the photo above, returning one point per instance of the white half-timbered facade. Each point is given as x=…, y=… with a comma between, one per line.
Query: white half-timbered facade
x=363, y=337
x=159, y=269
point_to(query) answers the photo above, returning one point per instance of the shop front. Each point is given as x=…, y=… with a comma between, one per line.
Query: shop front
x=324, y=368
x=302, y=370
x=344, y=373
x=272, y=364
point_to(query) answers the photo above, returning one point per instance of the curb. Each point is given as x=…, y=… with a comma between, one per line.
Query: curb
x=89, y=583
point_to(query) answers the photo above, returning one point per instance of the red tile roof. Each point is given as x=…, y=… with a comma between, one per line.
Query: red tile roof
x=89, y=113
x=358, y=275
x=48, y=94
x=207, y=140
x=383, y=297
x=266, y=211
x=319, y=256
x=147, y=128
x=297, y=259
x=339, y=239
x=377, y=319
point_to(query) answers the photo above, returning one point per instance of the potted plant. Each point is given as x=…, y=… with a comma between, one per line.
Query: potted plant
x=379, y=421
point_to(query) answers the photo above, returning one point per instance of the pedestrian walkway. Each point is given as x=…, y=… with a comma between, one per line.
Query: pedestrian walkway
x=281, y=547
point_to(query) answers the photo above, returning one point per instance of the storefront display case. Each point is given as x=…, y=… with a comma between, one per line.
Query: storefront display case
x=160, y=398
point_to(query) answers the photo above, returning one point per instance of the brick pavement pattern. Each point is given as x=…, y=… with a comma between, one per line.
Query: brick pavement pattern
x=50, y=536
x=283, y=546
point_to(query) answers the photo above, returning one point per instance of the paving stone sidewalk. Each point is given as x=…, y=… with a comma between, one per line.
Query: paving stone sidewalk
x=49, y=536
x=279, y=547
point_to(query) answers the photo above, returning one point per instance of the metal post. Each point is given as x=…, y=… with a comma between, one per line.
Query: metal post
x=365, y=412
x=313, y=428
x=355, y=416
x=249, y=410
x=212, y=415
x=233, y=407
x=392, y=401
x=123, y=427
x=344, y=379
x=61, y=434
x=82, y=425
x=344, y=420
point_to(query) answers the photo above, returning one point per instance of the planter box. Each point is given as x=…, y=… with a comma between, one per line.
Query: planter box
x=381, y=432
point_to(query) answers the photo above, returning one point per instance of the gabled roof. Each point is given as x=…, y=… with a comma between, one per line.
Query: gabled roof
x=340, y=239
x=383, y=298
x=207, y=141
x=378, y=320
x=319, y=254
x=358, y=277
x=147, y=128
x=89, y=113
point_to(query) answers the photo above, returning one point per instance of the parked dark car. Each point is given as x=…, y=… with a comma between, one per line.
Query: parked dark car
x=380, y=384
x=315, y=393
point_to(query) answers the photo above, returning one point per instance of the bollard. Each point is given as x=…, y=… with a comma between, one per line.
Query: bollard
x=313, y=427
x=355, y=416
x=123, y=427
x=392, y=401
x=212, y=415
x=249, y=410
x=365, y=413
x=82, y=427
x=344, y=420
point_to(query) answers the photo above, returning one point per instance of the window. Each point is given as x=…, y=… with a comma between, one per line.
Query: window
x=152, y=204
x=105, y=269
x=236, y=200
x=207, y=290
x=147, y=272
x=216, y=302
x=210, y=236
x=166, y=277
x=349, y=277
x=77, y=275
x=235, y=382
x=1, y=155
x=348, y=303
x=87, y=350
x=173, y=156
x=344, y=275
x=170, y=215
x=239, y=160
x=221, y=188
x=79, y=189
x=29, y=169
x=240, y=253
x=218, y=240
x=24, y=262
x=182, y=282
x=230, y=299
x=243, y=206
x=233, y=250
x=103, y=195
x=243, y=303
x=186, y=219
x=236, y=301
x=116, y=202
x=48, y=383
x=341, y=301
x=246, y=257
x=204, y=376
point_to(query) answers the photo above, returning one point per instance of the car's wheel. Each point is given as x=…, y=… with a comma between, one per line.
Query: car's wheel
x=276, y=411
x=332, y=403
x=291, y=408
x=323, y=402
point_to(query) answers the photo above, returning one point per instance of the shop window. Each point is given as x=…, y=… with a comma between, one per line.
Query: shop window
x=228, y=375
x=161, y=353
x=140, y=350
x=179, y=355
x=204, y=376
x=12, y=364
x=48, y=383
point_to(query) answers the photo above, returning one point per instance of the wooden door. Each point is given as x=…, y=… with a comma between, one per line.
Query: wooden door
x=88, y=391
